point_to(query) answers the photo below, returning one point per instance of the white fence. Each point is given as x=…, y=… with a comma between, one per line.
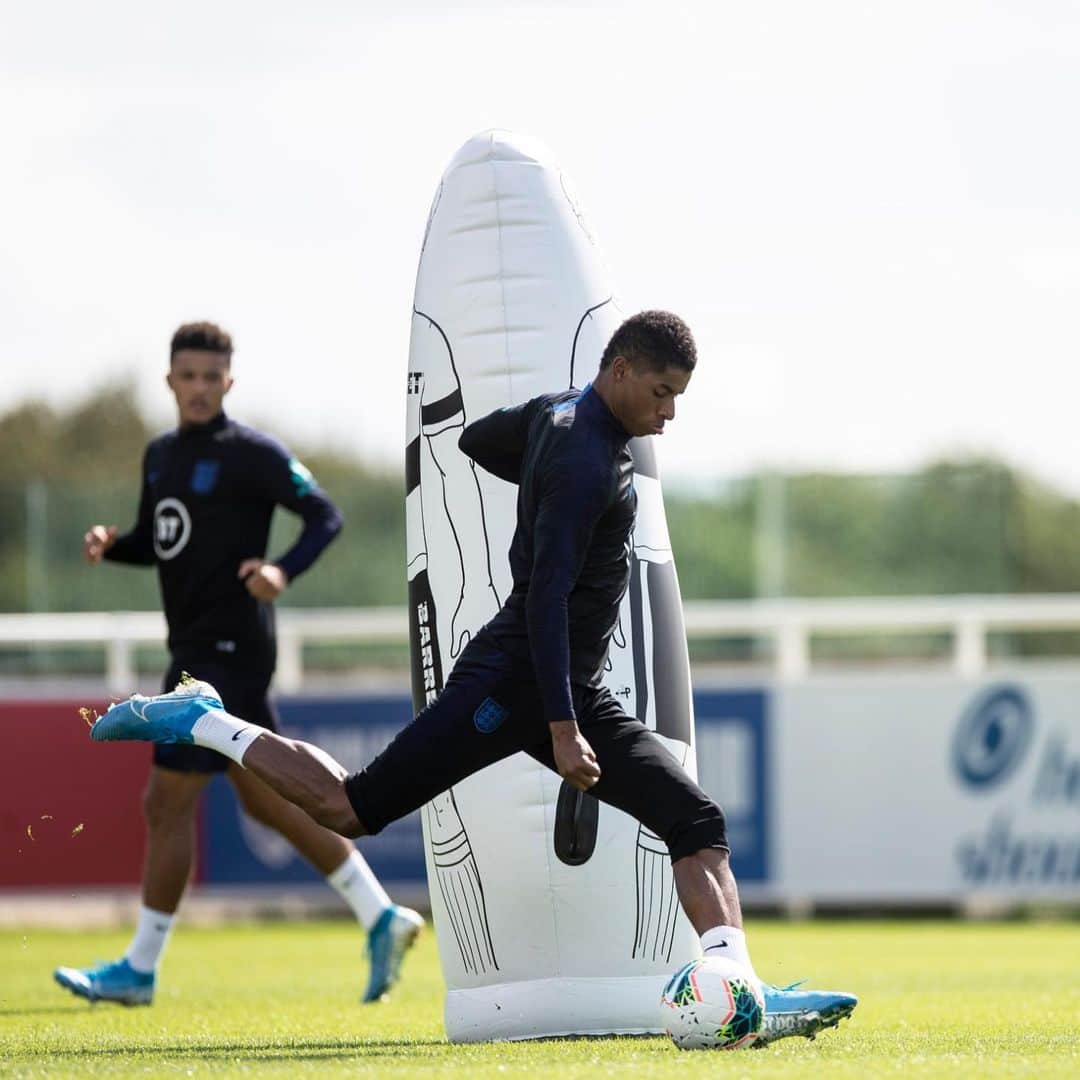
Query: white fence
x=790, y=624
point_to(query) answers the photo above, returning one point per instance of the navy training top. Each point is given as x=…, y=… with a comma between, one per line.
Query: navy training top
x=570, y=555
x=208, y=495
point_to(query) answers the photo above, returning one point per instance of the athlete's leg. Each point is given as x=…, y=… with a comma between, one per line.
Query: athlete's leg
x=169, y=804
x=324, y=849
x=248, y=698
x=446, y=742
x=639, y=776
x=305, y=776
x=707, y=889
x=391, y=928
x=345, y=869
x=177, y=780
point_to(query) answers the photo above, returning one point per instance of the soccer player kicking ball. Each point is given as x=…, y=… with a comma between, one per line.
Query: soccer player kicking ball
x=539, y=661
x=209, y=491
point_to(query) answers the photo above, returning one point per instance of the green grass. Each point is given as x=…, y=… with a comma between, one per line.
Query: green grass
x=938, y=1000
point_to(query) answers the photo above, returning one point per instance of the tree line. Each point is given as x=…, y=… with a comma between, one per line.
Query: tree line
x=966, y=526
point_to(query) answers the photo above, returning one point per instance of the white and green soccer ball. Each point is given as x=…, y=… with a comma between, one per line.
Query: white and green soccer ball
x=712, y=1004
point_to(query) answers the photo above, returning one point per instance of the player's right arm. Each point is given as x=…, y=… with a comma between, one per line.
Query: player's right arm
x=574, y=757
x=136, y=546
x=496, y=442
x=573, y=497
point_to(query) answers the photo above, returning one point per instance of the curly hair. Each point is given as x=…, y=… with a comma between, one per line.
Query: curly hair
x=206, y=336
x=656, y=339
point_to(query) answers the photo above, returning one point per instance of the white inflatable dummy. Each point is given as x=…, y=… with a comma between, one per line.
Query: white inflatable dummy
x=554, y=914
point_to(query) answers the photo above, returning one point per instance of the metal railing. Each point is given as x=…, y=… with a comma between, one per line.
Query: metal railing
x=788, y=624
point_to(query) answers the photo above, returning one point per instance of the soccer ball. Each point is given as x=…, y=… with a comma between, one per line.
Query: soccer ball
x=712, y=1004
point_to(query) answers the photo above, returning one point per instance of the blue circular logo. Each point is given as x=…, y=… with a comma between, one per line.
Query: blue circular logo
x=993, y=736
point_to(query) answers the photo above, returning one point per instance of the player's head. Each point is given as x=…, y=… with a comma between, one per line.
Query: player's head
x=200, y=375
x=646, y=365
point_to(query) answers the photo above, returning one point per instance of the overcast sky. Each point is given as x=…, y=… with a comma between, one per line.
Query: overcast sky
x=868, y=212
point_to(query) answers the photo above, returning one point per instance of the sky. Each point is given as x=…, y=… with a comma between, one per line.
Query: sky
x=866, y=211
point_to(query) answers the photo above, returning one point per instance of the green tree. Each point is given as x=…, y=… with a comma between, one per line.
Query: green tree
x=954, y=527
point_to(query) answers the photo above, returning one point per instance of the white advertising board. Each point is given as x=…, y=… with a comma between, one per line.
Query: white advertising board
x=926, y=788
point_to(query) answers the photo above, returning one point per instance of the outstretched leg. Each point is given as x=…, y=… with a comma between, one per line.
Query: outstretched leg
x=325, y=849
x=192, y=714
x=440, y=747
x=303, y=775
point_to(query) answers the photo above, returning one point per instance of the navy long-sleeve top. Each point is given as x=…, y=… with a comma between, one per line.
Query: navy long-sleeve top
x=570, y=555
x=208, y=496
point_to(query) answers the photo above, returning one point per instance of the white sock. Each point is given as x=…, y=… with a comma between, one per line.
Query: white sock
x=728, y=941
x=220, y=731
x=360, y=889
x=151, y=933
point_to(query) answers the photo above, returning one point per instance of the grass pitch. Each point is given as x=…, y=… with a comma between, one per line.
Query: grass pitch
x=937, y=1000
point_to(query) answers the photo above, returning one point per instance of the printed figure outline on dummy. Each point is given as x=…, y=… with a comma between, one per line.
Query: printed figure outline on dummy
x=666, y=679
x=460, y=884
x=441, y=421
x=657, y=902
x=436, y=419
x=572, y=200
x=431, y=217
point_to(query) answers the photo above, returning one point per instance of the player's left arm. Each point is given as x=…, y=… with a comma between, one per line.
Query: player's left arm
x=289, y=483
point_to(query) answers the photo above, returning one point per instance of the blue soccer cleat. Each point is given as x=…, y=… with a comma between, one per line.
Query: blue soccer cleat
x=167, y=718
x=117, y=981
x=790, y=1011
x=388, y=942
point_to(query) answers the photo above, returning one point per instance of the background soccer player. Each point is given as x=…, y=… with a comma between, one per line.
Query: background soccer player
x=209, y=490
x=531, y=679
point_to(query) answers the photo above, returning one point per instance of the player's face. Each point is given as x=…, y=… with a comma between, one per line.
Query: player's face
x=643, y=399
x=199, y=380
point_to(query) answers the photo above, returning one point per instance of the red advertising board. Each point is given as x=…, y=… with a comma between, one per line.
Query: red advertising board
x=70, y=809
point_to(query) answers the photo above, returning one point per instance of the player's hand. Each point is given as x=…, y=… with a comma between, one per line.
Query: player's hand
x=574, y=757
x=97, y=540
x=264, y=580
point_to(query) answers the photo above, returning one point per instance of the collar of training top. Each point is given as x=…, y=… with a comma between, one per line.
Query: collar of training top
x=596, y=405
x=202, y=431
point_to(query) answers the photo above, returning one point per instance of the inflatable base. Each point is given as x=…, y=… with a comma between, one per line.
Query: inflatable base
x=548, y=1008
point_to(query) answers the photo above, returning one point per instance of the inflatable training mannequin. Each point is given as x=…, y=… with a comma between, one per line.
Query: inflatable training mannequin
x=554, y=914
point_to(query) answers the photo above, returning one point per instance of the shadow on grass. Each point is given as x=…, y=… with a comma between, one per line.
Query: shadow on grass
x=272, y=1050
x=288, y=1050
x=45, y=1010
